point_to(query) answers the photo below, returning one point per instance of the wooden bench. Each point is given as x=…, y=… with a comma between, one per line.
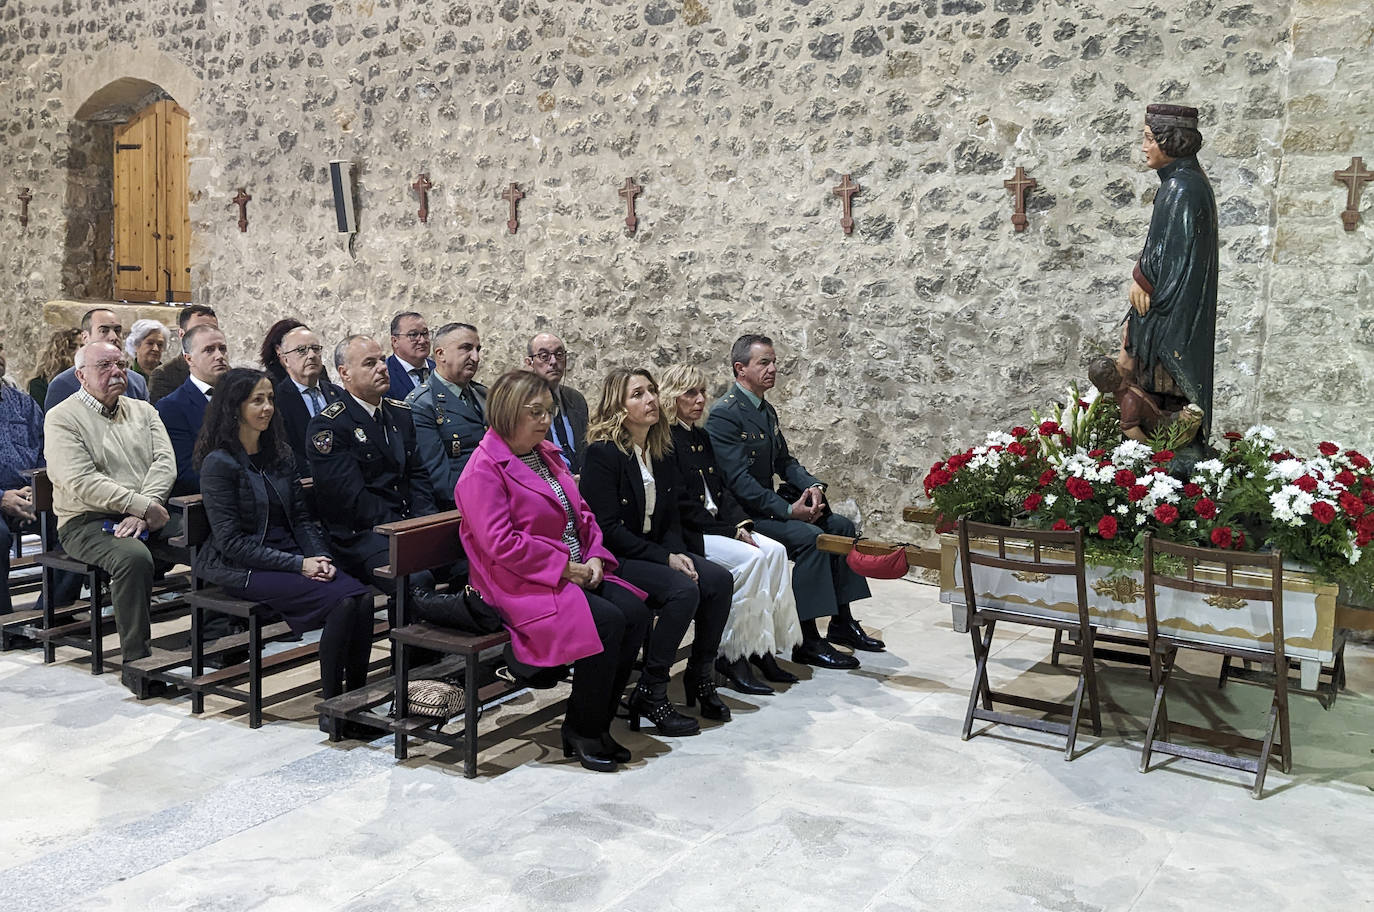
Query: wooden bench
x=228, y=681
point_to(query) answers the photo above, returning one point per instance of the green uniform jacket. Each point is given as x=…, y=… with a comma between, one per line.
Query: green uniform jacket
x=750, y=450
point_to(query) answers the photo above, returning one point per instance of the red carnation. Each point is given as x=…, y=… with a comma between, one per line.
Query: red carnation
x=1206, y=508
x=1323, y=512
x=1019, y=431
x=1046, y=477
x=1240, y=540
x=938, y=478
x=1327, y=448
x=1060, y=526
x=959, y=460
x=1163, y=456
x=1191, y=490
x=1124, y=477
x=1357, y=460
x=1234, y=435
x=1345, y=477
x=1067, y=439
x=1280, y=456
x=1368, y=496
x=1306, y=483
x=1079, y=488
x=1097, y=453
x=1049, y=427
x=1016, y=448
x=1166, y=514
x=1351, y=504
x=1221, y=536
x=1136, y=492
x=1031, y=503
x=1106, y=527
x=1083, y=404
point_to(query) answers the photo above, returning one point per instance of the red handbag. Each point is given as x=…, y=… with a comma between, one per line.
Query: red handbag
x=878, y=566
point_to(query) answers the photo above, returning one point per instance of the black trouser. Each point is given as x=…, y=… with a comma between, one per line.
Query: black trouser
x=599, y=680
x=10, y=529
x=345, y=646
x=678, y=601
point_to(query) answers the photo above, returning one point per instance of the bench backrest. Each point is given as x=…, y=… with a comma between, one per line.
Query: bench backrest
x=195, y=530
x=422, y=543
x=42, y=490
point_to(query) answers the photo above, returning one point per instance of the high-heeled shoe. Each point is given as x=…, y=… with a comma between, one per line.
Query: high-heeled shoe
x=739, y=676
x=589, y=752
x=650, y=701
x=614, y=749
x=772, y=670
x=701, y=688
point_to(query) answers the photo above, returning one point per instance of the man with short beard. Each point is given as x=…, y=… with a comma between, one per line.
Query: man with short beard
x=112, y=467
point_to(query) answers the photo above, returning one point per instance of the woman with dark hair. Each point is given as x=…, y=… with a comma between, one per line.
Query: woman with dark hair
x=535, y=551
x=632, y=487
x=271, y=360
x=264, y=545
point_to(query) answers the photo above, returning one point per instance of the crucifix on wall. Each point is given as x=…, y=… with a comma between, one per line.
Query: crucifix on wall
x=241, y=200
x=1020, y=185
x=513, y=195
x=1354, y=178
x=628, y=193
x=422, y=186
x=845, y=191
x=25, y=197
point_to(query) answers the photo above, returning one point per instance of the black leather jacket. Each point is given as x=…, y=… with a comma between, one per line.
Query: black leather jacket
x=235, y=496
x=696, y=467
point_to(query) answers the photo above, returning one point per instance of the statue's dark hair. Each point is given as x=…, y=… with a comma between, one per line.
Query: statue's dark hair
x=1103, y=374
x=220, y=429
x=742, y=349
x=1174, y=141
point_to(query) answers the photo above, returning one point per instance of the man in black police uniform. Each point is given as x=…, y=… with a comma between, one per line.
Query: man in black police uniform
x=365, y=465
x=751, y=449
x=449, y=409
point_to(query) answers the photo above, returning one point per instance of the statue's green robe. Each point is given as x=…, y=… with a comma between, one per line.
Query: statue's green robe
x=1178, y=268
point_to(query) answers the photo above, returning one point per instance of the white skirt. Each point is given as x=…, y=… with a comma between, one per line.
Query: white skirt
x=763, y=610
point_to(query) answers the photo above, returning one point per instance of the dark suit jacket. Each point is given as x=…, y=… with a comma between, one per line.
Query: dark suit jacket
x=183, y=411
x=167, y=378
x=696, y=468
x=447, y=431
x=295, y=417
x=401, y=381
x=611, y=485
x=574, y=405
x=360, y=479
x=750, y=450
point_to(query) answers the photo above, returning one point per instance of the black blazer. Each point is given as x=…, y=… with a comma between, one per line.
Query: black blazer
x=695, y=462
x=236, y=503
x=612, y=486
x=295, y=417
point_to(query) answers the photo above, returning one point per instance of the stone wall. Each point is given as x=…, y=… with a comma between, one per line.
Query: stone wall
x=933, y=322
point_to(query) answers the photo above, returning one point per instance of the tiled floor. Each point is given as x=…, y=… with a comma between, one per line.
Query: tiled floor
x=850, y=791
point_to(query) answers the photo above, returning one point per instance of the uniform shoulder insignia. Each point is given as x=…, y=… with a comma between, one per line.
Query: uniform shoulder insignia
x=332, y=411
x=398, y=403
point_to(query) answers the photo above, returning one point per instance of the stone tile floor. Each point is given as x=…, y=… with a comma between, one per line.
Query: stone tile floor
x=849, y=791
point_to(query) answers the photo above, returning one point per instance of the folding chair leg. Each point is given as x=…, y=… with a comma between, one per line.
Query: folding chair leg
x=1090, y=674
x=1158, y=716
x=1073, y=717
x=1225, y=672
x=1263, y=765
x=1058, y=644
x=980, y=687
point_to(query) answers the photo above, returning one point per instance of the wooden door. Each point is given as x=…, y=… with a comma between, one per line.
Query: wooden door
x=152, y=229
x=175, y=217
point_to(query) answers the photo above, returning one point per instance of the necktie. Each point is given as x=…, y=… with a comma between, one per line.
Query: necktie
x=381, y=422
x=209, y=391
x=471, y=401
x=421, y=374
x=316, y=401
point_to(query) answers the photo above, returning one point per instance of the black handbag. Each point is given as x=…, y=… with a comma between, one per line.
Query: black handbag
x=465, y=611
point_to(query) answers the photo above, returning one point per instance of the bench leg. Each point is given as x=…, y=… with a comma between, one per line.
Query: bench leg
x=401, y=698
x=255, y=671
x=97, y=625
x=471, y=710
x=197, y=659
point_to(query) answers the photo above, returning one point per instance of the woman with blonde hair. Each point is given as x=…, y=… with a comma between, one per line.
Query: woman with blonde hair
x=763, y=610
x=58, y=355
x=631, y=484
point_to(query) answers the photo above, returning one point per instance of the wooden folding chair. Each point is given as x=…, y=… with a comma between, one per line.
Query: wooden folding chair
x=982, y=622
x=1165, y=644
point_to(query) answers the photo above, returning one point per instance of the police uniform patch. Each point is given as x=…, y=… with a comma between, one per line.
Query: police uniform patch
x=455, y=448
x=360, y=434
x=323, y=442
x=333, y=411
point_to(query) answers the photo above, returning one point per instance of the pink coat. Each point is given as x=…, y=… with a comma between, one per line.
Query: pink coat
x=512, y=531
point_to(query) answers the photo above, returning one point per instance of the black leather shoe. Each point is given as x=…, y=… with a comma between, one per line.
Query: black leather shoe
x=589, y=753
x=772, y=671
x=738, y=675
x=614, y=749
x=849, y=633
x=822, y=655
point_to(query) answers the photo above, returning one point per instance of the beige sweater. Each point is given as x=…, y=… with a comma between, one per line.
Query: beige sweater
x=101, y=465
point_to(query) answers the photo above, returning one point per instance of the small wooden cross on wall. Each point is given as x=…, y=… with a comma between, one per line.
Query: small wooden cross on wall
x=514, y=195
x=1019, y=186
x=1354, y=178
x=628, y=193
x=845, y=191
x=422, y=186
x=241, y=200
x=24, y=197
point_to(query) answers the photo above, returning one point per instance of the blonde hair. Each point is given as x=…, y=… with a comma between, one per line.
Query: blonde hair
x=58, y=355
x=675, y=381
x=608, y=421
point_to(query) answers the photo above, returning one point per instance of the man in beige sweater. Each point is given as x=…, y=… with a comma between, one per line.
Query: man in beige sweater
x=112, y=467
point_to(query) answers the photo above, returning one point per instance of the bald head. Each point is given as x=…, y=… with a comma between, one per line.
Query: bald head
x=548, y=357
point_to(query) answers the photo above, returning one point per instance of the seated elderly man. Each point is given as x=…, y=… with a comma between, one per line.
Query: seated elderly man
x=183, y=410
x=112, y=468
x=305, y=392
x=547, y=356
x=173, y=374
x=751, y=449
x=97, y=325
x=449, y=409
x=21, y=447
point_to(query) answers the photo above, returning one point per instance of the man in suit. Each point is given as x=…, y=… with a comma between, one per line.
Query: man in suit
x=97, y=325
x=548, y=357
x=304, y=393
x=409, y=364
x=449, y=409
x=183, y=410
x=751, y=449
x=173, y=374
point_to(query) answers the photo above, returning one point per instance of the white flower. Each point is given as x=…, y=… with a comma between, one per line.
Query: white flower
x=1123, y=509
x=1261, y=432
x=998, y=438
x=1132, y=451
x=1050, y=499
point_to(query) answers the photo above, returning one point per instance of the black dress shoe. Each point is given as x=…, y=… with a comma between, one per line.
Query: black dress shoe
x=772, y=670
x=740, y=678
x=589, y=752
x=849, y=633
x=821, y=654
x=614, y=749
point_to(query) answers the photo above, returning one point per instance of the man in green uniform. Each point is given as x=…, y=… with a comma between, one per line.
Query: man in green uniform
x=449, y=409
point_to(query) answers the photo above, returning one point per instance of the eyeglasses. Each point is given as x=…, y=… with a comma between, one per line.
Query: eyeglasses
x=539, y=412
x=303, y=349
x=548, y=357
x=105, y=367
x=414, y=335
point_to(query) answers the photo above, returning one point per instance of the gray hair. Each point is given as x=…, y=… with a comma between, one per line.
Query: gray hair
x=140, y=331
x=188, y=341
x=341, y=350
x=449, y=329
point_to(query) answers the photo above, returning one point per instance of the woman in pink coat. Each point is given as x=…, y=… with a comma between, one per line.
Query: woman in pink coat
x=535, y=553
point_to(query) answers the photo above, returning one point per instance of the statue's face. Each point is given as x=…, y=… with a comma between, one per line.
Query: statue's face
x=1154, y=155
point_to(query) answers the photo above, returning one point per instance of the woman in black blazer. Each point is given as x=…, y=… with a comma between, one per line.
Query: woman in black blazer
x=264, y=545
x=632, y=487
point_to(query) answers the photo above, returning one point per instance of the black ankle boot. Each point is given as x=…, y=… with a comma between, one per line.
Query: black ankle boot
x=772, y=670
x=588, y=751
x=650, y=701
x=614, y=749
x=740, y=677
x=700, y=685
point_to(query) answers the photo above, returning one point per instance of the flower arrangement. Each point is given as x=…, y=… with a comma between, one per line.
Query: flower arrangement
x=1072, y=469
